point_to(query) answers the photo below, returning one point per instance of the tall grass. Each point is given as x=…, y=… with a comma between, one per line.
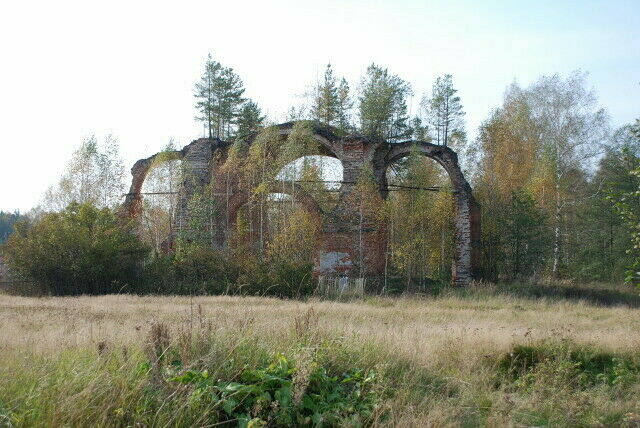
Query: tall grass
x=481, y=357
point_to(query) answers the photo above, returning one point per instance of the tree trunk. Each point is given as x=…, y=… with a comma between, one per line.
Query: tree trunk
x=557, y=234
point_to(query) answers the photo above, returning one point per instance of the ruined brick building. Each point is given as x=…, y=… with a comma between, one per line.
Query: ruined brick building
x=344, y=247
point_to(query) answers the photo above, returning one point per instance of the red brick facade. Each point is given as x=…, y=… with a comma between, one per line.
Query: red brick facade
x=351, y=241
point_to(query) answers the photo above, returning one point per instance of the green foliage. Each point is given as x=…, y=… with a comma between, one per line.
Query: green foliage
x=527, y=146
x=420, y=130
x=421, y=224
x=331, y=104
x=627, y=203
x=444, y=110
x=81, y=250
x=325, y=103
x=275, y=277
x=219, y=97
x=202, y=226
x=344, y=106
x=250, y=118
x=192, y=270
x=95, y=174
x=560, y=383
x=583, y=366
x=604, y=237
x=282, y=394
x=382, y=105
x=524, y=235
x=196, y=270
x=7, y=222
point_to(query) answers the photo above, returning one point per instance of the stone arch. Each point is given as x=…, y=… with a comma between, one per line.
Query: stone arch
x=466, y=261
x=132, y=206
x=239, y=199
x=325, y=135
x=202, y=160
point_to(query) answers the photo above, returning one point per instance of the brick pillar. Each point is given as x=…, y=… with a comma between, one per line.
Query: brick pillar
x=196, y=175
x=346, y=247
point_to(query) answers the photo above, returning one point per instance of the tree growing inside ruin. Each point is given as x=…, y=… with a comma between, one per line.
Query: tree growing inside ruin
x=250, y=118
x=382, y=108
x=344, y=107
x=331, y=104
x=159, y=204
x=444, y=111
x=218, y=97
x=324, y=108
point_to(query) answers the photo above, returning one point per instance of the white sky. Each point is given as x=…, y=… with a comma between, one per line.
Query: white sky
x=72, y=69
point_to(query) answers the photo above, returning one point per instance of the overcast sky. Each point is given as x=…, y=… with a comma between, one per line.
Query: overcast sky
x=72, y=69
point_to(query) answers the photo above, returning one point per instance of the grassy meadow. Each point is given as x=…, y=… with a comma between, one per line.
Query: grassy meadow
x=527, y=355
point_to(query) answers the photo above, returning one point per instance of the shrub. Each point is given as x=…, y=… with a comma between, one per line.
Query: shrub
x=81, y=250
x=277, y=395
x=209, y=271
x=586, y=365
x=198, y=270
x=192, y=270
x=280, y=278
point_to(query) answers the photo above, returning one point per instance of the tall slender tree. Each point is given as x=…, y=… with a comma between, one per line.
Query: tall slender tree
x=231, y=90
x=218, y=99
x=444, y=110
x=571, y=130
x=627, y=202
x=206, y=94
x=325, y=102
x=344, y=106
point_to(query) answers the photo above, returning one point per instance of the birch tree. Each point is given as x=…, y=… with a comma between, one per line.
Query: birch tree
x=571, y=130
x=94, y=174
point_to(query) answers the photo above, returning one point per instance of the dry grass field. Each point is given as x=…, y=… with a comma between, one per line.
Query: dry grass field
x=448, y=360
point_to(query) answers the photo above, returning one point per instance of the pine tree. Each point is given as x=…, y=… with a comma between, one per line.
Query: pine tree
x=525, y=240
x=325, y=103
x=218, y=99
x=344, y=105
x=627, y=204
x=206, y=94
x=444, y=110
x=382, y=104
x=420, y=131
x=230, y=95
x=250, y=118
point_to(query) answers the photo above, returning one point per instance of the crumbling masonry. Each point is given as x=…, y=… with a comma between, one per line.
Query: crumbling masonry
x=344, y=246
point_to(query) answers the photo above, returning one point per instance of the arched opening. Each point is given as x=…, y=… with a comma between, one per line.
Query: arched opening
x=420, y=208
x=270, y=173
x=465, y=264
x=159, y=199
x=319, y=176
x=284, y=228
x=286, y=209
